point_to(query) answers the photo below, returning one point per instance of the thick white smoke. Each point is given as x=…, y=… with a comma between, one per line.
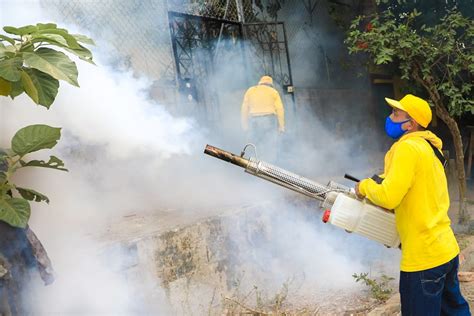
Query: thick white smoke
x=127, y=154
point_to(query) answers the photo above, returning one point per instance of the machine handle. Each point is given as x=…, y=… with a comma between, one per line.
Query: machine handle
x=349, y=177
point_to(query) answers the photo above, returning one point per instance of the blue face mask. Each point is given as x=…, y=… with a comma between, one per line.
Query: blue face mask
x=394, y=129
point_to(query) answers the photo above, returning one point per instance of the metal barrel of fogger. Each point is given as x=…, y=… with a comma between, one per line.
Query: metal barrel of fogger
x=272, y=173
x=343, y=210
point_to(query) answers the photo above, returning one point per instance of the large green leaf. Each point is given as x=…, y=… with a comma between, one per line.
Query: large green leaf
x=45, y=26
x=10, y=68
x=83, y=53
x=54, y=63
x=35, y=137
x=14, y=211
x=83, y=39
x=2, y=50
x=6, y=51
x=46, y=86
x=49, y=38
x=28, y=29
x=3, y=169
x=32, y=195
x=7, y=39
x=70, y=40
x=29, y=87
x=53, y=163
x=53, y=39
x=5, y=87
x=3, y=161
x=17, y=89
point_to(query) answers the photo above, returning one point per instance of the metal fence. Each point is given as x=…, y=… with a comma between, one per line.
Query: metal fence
x=138, y=30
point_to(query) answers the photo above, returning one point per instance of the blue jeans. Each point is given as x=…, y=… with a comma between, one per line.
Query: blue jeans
x=433, y=292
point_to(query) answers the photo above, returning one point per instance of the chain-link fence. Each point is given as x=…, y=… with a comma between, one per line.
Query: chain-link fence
x=135, y=29
x=138, y=30
x=139, y=33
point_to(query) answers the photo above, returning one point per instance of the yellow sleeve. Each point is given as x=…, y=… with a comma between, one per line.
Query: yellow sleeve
x=397, y=181
x=244, y=112
x=280, y=112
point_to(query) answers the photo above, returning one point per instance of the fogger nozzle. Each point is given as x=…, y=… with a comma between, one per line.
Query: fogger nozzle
x=226, y=156
x=272, y=173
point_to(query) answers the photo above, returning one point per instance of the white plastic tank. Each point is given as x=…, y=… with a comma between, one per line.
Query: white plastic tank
x=364, y=219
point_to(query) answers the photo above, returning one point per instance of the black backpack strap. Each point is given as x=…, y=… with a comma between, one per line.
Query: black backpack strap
x=438, y=154
x=377, y=179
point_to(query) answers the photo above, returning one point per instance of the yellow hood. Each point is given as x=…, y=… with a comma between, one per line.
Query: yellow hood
x=429, y=136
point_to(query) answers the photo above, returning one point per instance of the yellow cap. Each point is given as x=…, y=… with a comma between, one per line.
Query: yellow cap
x=416, y=107
x=266, y=80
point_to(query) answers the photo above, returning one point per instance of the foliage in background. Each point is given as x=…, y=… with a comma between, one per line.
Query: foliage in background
x=438, y=60
x=433, y=10
x=29, y=64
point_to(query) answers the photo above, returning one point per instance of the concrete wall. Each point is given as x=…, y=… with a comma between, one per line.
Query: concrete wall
x=195, y=264
x=199, y=266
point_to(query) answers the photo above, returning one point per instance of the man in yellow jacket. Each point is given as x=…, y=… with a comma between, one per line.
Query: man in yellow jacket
x=262, y=114
x=414, y=185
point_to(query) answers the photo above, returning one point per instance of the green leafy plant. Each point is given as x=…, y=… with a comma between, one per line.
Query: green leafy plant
x=379, y=289
x=31, y=63
x=437, y=61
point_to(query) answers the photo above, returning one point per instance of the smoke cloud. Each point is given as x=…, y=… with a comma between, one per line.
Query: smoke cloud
x=127, y=154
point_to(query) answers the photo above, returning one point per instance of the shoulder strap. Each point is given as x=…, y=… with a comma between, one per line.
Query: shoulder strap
x=438, y=154
x=377, y=179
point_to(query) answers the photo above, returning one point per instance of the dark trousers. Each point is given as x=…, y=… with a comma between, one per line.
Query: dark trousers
x=263, y=132
x=433, y=292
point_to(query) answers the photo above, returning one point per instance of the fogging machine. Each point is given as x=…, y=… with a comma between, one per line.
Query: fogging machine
x=341, y=206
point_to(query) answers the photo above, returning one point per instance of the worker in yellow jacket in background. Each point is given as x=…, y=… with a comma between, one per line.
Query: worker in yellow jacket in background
x=263, y=115
x=414, y=185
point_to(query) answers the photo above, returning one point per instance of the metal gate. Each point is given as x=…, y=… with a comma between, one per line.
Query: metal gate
x=267, y=43
x=197, y=41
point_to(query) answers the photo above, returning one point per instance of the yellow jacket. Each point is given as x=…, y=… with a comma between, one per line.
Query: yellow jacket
x=415, y=187
x=262, y=100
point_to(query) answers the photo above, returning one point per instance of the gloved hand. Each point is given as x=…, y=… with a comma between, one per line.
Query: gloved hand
x=357, y=192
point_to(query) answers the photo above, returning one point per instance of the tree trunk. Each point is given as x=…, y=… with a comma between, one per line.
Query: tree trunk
x=443, y=114
x=456, y=134
x=21, y=257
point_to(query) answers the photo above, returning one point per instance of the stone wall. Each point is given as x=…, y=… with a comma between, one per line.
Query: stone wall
x=195, y=262
x=202, y=266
